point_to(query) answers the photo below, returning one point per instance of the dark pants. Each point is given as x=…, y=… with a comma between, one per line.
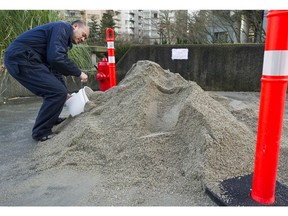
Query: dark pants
x=42, y=82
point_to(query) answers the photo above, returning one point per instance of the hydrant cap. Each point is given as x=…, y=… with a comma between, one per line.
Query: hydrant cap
x=104, y=60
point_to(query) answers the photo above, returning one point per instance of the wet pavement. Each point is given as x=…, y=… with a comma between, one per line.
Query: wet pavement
x=17, y=146
x=16, y=122
x=17, y=119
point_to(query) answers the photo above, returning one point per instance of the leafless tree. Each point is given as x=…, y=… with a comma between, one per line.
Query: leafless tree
x=197, y=27
x=167, y=26
x=181, y=26
x=226, y=26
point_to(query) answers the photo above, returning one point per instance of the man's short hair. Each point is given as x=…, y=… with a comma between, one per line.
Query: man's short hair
x=79, y=22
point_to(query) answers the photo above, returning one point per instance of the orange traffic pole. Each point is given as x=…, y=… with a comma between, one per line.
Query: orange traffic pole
x=111, y=56
x=272, y=105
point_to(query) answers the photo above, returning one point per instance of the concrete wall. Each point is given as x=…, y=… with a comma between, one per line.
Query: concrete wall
x=213, y=67
x=10, y=88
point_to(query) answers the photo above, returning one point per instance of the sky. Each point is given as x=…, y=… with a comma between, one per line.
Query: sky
x=147, y=4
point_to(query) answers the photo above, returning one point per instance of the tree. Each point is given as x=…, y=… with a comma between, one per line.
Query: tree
x=167, y=26
x=227, y=26
x=197, y=31
x=255, y=19
x=107, y=21
x=94, y=31
x=181, y=26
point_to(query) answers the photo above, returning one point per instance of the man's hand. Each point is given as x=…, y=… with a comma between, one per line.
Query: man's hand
x=83, y=77
x=68, y=96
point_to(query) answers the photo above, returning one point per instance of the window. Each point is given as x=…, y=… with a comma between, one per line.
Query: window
x=221, y=37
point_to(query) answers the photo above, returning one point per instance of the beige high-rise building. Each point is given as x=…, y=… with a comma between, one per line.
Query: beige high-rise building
x=138, y=26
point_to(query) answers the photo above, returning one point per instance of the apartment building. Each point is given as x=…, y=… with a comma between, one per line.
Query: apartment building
x=129, y=25
x=138, y=26
x=168, y=26
x=86, y=15
x=151, y=34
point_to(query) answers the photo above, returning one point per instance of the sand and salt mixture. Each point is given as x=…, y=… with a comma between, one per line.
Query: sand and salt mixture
x=155, y=139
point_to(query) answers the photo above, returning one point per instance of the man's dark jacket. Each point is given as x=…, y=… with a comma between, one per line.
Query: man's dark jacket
x=47, y=44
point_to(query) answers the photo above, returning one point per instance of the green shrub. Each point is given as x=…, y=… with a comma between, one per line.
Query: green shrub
x=16, y=22
x=120, y=49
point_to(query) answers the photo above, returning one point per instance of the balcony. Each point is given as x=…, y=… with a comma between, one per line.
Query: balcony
x=116, y=17
x=131, y=26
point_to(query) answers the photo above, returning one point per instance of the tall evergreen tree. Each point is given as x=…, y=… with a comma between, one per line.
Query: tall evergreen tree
x=107, y=21
x=94, y=31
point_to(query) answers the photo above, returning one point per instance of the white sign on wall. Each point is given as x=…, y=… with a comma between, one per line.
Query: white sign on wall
x=180, y=54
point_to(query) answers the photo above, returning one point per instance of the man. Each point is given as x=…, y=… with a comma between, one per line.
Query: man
x=38, y=59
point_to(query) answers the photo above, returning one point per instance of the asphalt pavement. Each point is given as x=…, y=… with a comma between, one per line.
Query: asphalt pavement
x=17, y=119
x=16, y=146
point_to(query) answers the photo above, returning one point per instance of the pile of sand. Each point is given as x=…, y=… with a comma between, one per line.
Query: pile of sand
x=155, y=131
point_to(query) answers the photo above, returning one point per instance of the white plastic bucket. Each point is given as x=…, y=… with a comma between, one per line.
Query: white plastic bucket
x=76, y=103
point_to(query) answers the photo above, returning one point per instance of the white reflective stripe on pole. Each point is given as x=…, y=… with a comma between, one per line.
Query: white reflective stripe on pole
x=110, y=44
x=111, y=59
x=275, y=63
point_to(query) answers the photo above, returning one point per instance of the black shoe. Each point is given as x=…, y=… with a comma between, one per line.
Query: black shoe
x=46, y=137
x=59, y=120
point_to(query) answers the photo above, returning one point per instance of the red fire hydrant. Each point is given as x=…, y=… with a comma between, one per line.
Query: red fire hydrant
x=103, y=75
x=106, y=68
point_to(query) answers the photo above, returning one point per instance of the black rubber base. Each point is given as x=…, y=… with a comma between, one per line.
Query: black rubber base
x=236, y=192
